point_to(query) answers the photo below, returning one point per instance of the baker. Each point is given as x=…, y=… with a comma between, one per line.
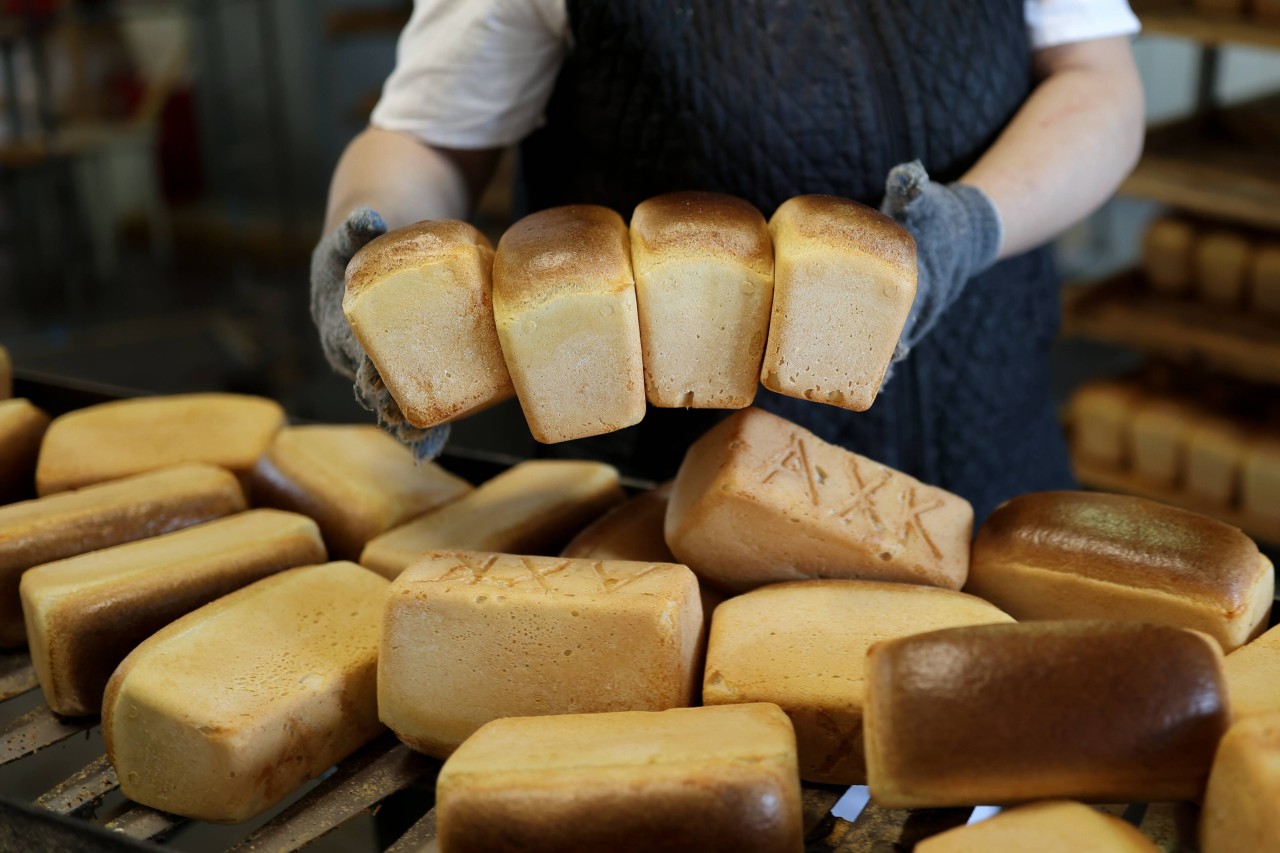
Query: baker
x=986, y=127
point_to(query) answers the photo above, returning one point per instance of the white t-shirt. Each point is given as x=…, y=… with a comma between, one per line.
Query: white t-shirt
x=478, y=73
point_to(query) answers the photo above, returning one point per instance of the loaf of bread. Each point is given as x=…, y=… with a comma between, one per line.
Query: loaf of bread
x=71, y=523
x=1054, y=826
x=86, y=613
x=419, y=299
x=531, y=508
x=470, y=637
x=802, y=646
x=6, y=375
x=759, y=500
x=1109, y=712
x=226, y=711
x=629, y=531
x=355, y=481
x=705, y=779
x=1253, y=676
x=114, y=440
x=1260, y=479
x=1160, y=427
x=1264, y=277
x=1167, y=251
x=844, y=281
x=22, y=425
x=564, y=299
x=1240, y=814
x=1102, y=422
x=1222, y=260
x=704, y=285
x=1214, y=459
x=1081, y=555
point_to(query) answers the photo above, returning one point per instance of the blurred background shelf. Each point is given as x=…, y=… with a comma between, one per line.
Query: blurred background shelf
x=1212, y=29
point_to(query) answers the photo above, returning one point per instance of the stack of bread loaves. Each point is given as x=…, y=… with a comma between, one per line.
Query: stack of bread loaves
x=694, y=305
x=1214, y=264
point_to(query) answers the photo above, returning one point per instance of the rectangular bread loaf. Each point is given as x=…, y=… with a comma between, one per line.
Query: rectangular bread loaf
x=419, y=300
x=564, y=299
x=114, y=440
x=844, y=281
x=704, y=286
x=356, y=481
x=759, y=500
x=226, y=711
x=1215, y=459
x=1109, y=712
x=22, y=425
x=1102, y=422
x=1260, y=479
x=1060, y=826
x=1240, y=814
x=71, y=523
x=1253, y=676
x=469, y=637
x=1264, y=277
x=86, y=613
x=802, y=646
x=1082, y=555
x=1167, y=251
x=1222, y=260
x=629, y=531
x=1160, y=427
x=706, y=779
x=531, y=508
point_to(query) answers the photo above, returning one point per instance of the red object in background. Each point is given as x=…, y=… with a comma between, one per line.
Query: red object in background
x=179, y=148
x=39, y=8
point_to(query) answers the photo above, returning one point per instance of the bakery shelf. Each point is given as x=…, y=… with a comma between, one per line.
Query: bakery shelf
x=1217, y=29
x=1121, y=310
x=1094, y=476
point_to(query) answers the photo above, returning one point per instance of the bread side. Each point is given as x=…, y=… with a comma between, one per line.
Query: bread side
x=1215, y=458
x=227, y=710
x=1260, y=479
x=531, y=508
x=686, y=779
x=759, y=500
x=1055, y=826
x=1240, y=814
x=22, y=425
x=117, y=439
x=1079, y=555
x=355, y=481
x=1160, y=427
x=1102, y=422
x=419, y=300
x=802, y=646
x=1098, y=711
x=565, y=306
x=470, y=637
x=1264, y=280
x=1253, y=675
x=1167, y=251
x=844, y=281
x=95, y=517
x=1222, y=261
x=704, y=286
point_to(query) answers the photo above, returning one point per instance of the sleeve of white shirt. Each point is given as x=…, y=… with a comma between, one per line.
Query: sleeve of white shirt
x=1054, y=22
x=474, y=73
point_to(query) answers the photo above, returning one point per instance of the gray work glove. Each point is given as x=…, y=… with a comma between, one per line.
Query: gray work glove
x=958, y=233
x=344, y=353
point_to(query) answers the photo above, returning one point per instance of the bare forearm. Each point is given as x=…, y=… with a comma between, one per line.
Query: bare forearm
x=1069, y=147
x=398, y=176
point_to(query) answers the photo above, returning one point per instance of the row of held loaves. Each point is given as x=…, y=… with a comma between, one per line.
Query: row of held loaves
x=1179, y=444
x=582, y=318
x=1218, y=265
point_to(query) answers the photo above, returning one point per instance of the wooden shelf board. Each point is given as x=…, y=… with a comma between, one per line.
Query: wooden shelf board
x=1121, y=310
x=1213, y=29
x=1102, y=478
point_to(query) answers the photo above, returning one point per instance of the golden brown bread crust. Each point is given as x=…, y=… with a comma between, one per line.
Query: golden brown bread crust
x=70, y=523
x=629, y=531
x=1253, y=674
x=1125, y=540
x=412, y=246
x=1101, y=711
x=22, y=426
x=1240, y=814
x=1052, y=826
x=689, y=779
x=695, y=224
x=848, y=225
x=578, y=246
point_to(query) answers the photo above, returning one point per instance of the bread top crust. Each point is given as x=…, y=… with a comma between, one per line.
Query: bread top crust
x=699, y=225
x=1125, y=540
x=844, y=224
x=576, y=248
x=416, y=245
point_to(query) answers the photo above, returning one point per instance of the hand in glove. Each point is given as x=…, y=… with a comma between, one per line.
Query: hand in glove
x=344, y=353
x=958, y=234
